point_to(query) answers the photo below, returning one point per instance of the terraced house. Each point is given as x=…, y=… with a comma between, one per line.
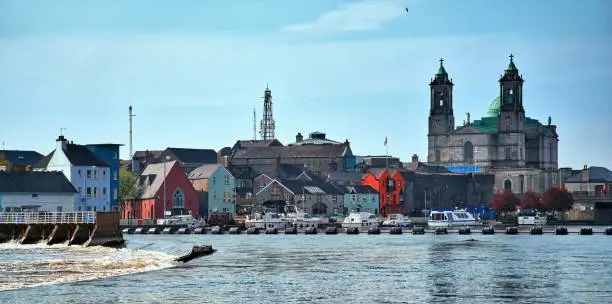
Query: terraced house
x=216, y=187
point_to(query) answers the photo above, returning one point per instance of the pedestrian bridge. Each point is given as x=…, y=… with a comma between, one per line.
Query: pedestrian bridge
x=87, y=217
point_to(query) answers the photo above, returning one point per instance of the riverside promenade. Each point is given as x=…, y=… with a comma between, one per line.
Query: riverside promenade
x=74, y=228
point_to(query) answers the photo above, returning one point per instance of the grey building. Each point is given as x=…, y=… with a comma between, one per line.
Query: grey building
x=520, y=151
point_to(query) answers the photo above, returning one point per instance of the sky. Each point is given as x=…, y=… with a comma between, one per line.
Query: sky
x=357, y=70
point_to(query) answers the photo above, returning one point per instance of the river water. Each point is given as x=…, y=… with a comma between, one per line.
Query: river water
x=315, y=269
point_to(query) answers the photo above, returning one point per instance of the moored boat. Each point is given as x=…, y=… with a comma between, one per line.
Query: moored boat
x=299, y=218
x=455, y=218
x=264, y=220
x=360, y=220
x=397, y=220
x=530, y=217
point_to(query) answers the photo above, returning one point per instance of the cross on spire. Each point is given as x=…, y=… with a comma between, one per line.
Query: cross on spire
x=441, y=61
x=511, y=56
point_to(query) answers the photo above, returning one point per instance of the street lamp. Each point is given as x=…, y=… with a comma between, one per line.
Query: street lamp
x=164, y=182
x=425, y=201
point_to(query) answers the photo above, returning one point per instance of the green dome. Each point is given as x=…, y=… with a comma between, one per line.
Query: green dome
x=494, y=108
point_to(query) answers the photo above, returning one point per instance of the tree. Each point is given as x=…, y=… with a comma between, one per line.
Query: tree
x=128, y=186
x=557, y=199
x=530, y=200
x=504, y=202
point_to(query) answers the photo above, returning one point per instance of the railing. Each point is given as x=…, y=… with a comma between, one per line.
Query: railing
x=86, y=217
x=592, y=194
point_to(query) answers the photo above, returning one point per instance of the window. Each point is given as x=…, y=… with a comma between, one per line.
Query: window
x=214, y=180
x=104, y=191
x=262, y=183
x=88, y=208
x=80, y=208
x=508, y=153
x=95, y=208
x=89, y=174
x=115, y=175
x=104, y=173
x=80, y=191
x=550, y=152
x=95, y=192
x=373, y=198
x=468, y=152
x=353, y=197
x=178, y=199
x=227, y=179
x=80, y=172
x=34, y=195
x=115, y=156
x=115, y=193
x=95, y=174
x=249, y=195
x=438, y=155
x=88, y=191
x=334, y=198
x=508, y=185
x=59, y=208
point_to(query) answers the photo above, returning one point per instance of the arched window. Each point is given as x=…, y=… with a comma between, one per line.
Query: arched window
x=178, y=199
x=508, y=185
x=468, y=152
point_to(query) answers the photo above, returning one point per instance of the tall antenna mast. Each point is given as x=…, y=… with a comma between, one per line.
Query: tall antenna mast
x=131, y=146
x=254, y=125
x=267, y=123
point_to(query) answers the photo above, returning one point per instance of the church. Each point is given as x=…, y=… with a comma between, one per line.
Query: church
x=519, y=151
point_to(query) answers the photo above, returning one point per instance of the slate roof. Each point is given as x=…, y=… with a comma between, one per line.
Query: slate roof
x=148, y=153
x=310, y=187
x=152, y=177
x=194, y=156
x=204, y=171
x=423, y=167
x=596, y=175
x=360, y=189
x=246, y=144
x=35, y=181
x=312, y=151
x=78, y=155
x=345, y=176
x=22, y=158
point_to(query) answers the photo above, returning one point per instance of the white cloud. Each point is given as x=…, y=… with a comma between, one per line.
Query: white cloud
x=360, y=16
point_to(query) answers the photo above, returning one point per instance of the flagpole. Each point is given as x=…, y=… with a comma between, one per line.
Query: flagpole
x=387, y=154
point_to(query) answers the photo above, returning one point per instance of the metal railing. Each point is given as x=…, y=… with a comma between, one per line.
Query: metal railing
x=86, y=217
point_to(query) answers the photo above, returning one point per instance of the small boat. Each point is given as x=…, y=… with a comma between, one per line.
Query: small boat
x=196, y=252
x=298, y=218
x=360, y=220
x=397, y=220
x=264, y=220
x=455, y=218
x=181, y=220
x=531, y=217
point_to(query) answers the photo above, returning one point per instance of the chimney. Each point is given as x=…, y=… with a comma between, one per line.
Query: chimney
x=584, y=175
x=415, y=159
x=61, y=143
x=299, y=137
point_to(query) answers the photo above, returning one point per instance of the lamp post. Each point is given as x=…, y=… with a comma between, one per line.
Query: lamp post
x=164, y=183
x=425, y=201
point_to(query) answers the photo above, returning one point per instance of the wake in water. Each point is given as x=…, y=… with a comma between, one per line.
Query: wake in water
x=23, y=266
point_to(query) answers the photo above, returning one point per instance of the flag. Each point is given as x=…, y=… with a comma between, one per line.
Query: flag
x=385, y=140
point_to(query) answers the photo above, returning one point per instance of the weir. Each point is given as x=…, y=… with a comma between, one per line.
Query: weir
x=77, y=228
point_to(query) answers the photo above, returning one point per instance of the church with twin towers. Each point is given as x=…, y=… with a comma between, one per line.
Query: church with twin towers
x=521, y=152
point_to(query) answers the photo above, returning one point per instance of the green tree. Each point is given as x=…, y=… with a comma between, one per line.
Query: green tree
x=128, y=186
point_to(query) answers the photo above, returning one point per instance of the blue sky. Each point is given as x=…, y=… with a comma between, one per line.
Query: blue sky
x=357, y=70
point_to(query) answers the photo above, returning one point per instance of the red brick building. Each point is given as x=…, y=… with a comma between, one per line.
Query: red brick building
x=181, y=197
x=390, y=184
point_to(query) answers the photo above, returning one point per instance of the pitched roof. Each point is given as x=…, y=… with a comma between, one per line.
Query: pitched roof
x=295, y=151
x=20, y=158
x=423, y=167
x=194, y=156
x=314, y=186
x=596, y=175
x=148, y=153
x=204, y=171
x=245, y=144
x=35, y=181
x=152, y=177
x=344, y=176
x=78, y=155
x=360, y=189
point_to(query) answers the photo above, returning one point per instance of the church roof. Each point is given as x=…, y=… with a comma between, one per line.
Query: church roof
x=490, y=122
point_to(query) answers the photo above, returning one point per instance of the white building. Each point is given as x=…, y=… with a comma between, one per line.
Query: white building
x=87, y=173
x=36, y=191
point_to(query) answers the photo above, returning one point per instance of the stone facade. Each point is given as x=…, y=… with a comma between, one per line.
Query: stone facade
x=520, y=151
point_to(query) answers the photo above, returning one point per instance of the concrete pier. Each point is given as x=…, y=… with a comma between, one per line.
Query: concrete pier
x=73, y=228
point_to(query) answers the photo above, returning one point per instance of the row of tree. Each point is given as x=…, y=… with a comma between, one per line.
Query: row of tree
x=553, y=199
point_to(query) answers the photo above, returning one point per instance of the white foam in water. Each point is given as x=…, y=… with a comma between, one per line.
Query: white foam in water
x=23, y=266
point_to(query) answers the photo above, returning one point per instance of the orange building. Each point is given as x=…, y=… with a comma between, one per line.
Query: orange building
x=390, y=184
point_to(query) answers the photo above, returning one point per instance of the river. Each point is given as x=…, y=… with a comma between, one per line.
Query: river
x=315, y=269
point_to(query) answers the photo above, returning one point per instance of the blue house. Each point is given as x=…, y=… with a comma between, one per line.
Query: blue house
x=216, y=187
x=109, y=153
x=360, y=198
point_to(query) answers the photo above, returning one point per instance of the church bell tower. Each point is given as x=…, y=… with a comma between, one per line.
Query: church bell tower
x=512, y=112
x=441, y=118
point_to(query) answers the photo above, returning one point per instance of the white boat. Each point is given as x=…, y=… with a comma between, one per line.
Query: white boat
x=531, y=218
x=397, y=220
x=455, y=218
x=300, y=219
x=361, y=220
x=263, y=220
x=181, y=220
